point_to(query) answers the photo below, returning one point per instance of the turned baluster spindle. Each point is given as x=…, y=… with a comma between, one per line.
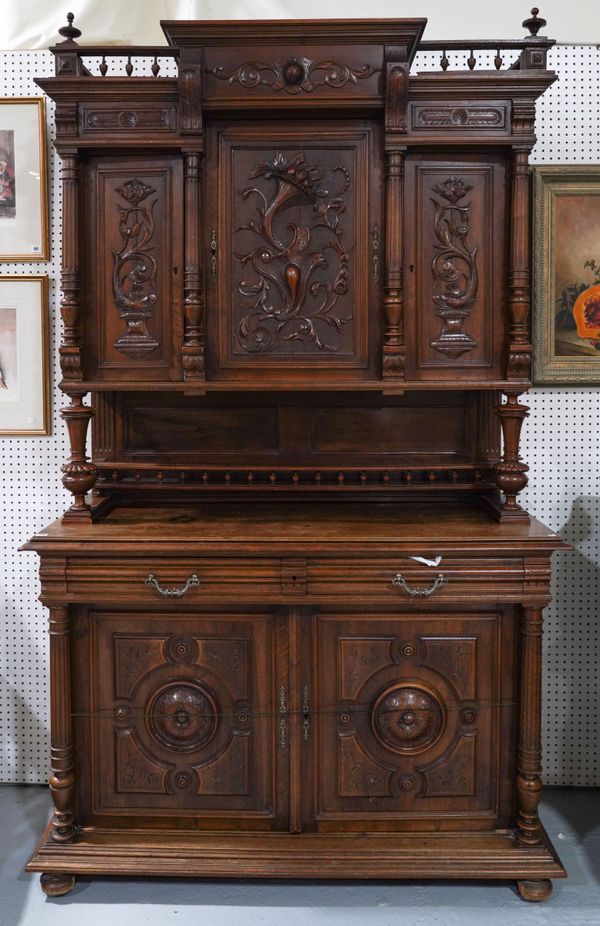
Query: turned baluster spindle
x=79, y=474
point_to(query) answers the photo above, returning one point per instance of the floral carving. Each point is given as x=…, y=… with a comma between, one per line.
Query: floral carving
x=134, y=270
x=293, y=75
x=454, y=268
x=286, y=300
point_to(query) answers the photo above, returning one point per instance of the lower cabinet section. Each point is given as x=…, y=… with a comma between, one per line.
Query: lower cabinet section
x=295, y=719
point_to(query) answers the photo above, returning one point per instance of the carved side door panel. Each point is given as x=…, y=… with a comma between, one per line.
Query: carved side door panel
x=182, y=719
x=414, y=721
x=454, y=255
x=288, y=247
x=133, y=276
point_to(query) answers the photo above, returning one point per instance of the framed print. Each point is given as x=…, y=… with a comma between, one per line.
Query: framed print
x=566, y=298
x=24, y=386
x=23, y=185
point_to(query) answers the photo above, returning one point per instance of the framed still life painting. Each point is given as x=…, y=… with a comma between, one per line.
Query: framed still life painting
x=23, y=181
x=24, y=368
x=566, y=294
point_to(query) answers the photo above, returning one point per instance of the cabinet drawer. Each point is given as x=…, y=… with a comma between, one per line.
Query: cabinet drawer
x=450, y=580
x=162, y=579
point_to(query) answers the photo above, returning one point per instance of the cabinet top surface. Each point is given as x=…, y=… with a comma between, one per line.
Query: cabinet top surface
x=308, y=525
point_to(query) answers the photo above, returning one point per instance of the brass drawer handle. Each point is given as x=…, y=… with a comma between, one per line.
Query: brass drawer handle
x=400, y=582
x=172, y=592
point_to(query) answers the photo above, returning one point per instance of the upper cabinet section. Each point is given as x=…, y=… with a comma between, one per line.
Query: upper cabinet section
x=297, y=206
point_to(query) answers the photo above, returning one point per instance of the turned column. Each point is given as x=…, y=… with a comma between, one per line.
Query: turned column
x=510, y=472
x=519, y=287
x=62, y=764
x=393, y=285
x=70, y=303
x=529, y=781
x=193, y=340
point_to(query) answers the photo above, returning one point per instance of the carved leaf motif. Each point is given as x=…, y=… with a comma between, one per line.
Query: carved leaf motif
x=134, y=270
x=454, y=268
x=293, y=75
x=284, y=299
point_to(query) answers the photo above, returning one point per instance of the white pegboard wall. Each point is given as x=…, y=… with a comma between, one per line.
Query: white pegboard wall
x=561, y=445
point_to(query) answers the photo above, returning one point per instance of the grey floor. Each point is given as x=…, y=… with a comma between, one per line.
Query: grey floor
x=572, y=818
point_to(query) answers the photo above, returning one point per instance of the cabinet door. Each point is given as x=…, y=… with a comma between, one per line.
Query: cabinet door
x=414, y=721
x=454, y=254
x=290, y=291
x=133, y=275
x=177, y=720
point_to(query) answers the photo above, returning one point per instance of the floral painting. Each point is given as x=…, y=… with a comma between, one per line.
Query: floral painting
x=577, y=248
x=7, y=174
x=566, y=263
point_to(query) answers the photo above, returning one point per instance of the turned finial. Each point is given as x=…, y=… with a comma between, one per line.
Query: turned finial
x=535, y=23
x=70, y=32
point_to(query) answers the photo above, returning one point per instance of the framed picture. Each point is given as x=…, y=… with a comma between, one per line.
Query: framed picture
x=566, y=298
x=23, y=180
x=24, y=367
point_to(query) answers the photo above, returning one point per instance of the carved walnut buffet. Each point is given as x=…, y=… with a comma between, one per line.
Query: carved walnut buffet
x=295, y=606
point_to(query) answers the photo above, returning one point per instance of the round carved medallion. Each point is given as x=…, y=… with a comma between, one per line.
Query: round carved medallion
x=182, y=716
x=407, y=718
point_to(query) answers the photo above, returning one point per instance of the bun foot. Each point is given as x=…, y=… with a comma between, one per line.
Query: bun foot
x=56, y=885
x=534, y=890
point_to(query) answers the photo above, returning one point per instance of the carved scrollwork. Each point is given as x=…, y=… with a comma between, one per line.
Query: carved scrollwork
x=454, y=268
x=293, y=75
x=134, y=270
x=459, y=117
x=287, y=301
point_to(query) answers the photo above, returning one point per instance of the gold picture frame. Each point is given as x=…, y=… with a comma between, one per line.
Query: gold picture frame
x=566, y=274
x=24, y=227
x=24, y=357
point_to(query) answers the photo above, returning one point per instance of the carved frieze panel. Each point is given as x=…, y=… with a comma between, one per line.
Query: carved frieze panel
x=98, y=120
x=293, y=75
x=468, y=117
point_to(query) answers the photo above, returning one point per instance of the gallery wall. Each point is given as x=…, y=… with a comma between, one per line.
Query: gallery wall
x=561, y=445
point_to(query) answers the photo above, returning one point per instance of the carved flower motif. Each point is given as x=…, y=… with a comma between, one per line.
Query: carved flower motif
x=453, y=189
x=293, y=71
x=296, y=172
x=134, y=191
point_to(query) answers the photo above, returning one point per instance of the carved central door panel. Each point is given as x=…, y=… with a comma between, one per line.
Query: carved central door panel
x=183, y=719
x=454, y=253
x=415, y=720
x=293, y=213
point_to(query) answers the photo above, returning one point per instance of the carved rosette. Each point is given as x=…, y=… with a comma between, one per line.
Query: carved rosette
x=454, y=268
x=284, y=300
x=134, y=270
x=182, y=716
x=294, y=75
x=407, y=718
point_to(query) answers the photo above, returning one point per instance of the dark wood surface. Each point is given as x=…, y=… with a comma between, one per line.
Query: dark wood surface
x=295, y=606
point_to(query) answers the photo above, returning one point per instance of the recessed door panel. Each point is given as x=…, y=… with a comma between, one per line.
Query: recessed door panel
x=413, y=715
x=181, y=719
